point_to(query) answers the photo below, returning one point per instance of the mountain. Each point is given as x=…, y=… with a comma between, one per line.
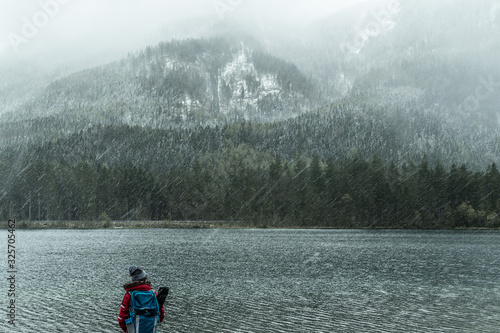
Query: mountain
x=175, y=84
x=401, y=80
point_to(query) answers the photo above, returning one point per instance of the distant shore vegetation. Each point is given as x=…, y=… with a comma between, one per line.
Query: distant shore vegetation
x=353, y=193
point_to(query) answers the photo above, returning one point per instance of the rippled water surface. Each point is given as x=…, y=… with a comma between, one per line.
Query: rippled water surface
x=261, y=280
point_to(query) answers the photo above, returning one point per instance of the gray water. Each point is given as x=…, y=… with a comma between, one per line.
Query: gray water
x=261, y=280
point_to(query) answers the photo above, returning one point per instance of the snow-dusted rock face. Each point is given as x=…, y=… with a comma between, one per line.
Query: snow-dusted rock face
x=226, y=83
x=240, y=76
x=250, y=88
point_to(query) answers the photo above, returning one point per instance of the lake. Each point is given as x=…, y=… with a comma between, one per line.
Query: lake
x=261, y=280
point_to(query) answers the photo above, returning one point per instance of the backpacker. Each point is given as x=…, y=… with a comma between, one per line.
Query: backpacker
x=144, y=312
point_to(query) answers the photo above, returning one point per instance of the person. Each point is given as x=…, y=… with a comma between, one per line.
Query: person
x=140, y=283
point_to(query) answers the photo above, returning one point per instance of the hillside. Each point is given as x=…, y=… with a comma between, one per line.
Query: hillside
x=175, y=84
x=401, y=133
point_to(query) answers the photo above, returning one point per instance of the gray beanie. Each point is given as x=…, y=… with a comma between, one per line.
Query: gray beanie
x=137, y=273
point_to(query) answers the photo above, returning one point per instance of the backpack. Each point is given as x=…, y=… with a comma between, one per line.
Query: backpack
x=144, y=312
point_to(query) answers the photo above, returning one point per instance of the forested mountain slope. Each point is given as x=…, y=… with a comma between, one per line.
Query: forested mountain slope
x=175, y=84
x=394, y=132
x=408, y=91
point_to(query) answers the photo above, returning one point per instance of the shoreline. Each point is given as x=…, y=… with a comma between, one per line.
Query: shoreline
x=86, y=225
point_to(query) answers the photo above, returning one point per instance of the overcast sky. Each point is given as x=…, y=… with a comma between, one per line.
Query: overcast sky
x=30, y=28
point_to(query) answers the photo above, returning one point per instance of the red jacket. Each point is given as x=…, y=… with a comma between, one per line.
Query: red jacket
x=124, y=308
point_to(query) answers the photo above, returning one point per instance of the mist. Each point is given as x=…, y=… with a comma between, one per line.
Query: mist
x=52, y=33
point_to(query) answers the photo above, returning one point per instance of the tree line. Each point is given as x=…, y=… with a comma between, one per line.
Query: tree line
x=263, y=190
x=338, y=131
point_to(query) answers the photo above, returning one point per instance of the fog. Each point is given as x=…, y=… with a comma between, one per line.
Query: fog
x=76, y=32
